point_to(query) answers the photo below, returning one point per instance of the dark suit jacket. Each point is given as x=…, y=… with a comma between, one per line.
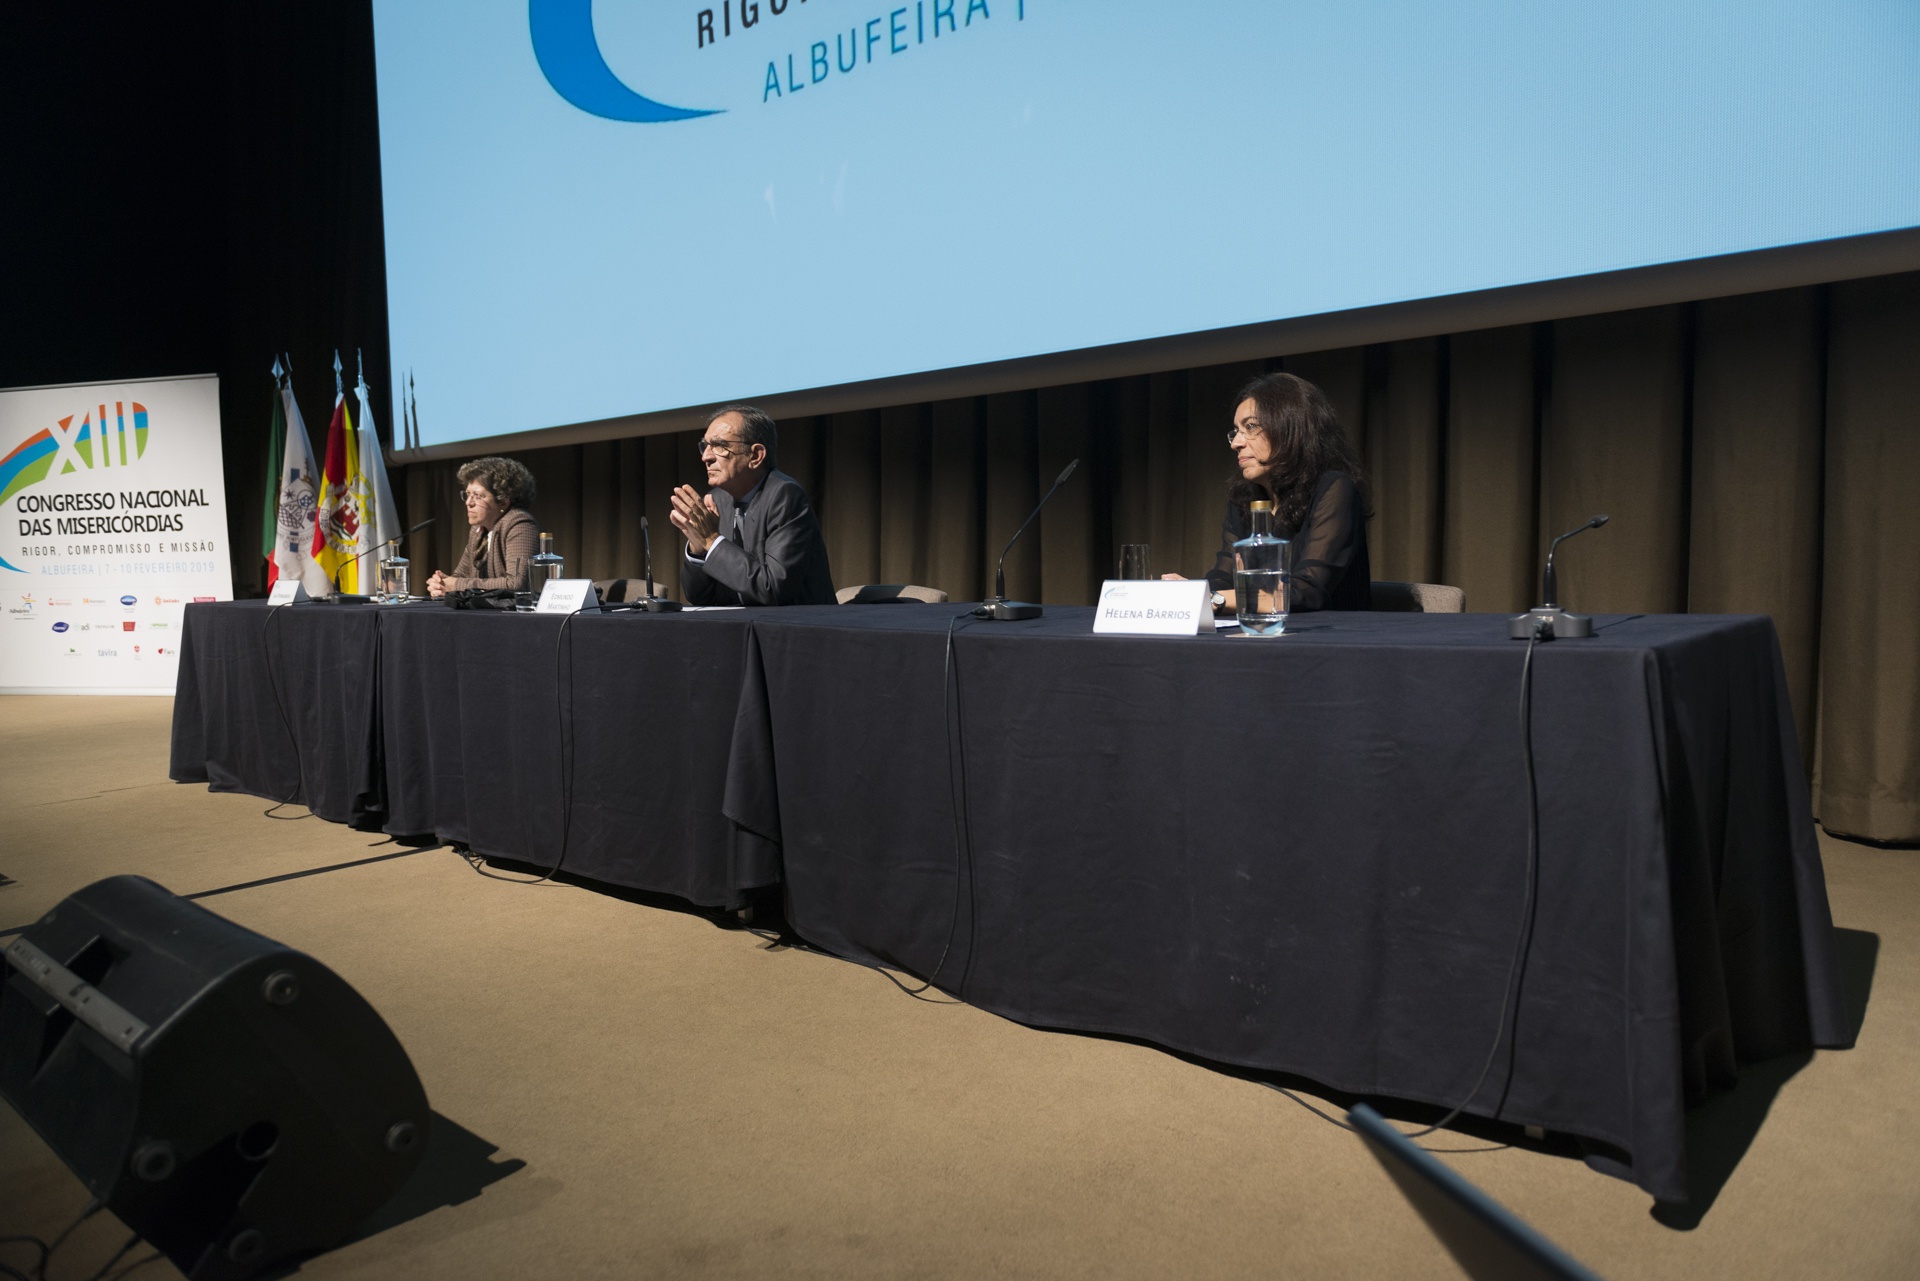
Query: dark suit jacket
x=505, y=560
x=778, y=558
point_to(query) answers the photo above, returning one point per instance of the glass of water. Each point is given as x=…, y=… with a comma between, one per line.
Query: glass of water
x=1136, y=561
x=393, y=579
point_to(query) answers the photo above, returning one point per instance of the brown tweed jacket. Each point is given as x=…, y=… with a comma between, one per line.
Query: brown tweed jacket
x=502, y=559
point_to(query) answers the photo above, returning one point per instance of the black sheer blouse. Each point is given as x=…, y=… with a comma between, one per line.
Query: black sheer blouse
x=1330, y=569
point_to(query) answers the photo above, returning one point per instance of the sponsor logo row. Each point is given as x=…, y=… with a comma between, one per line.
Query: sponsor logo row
x=158, y=651
x=27, y=601
x=126, y=625
x=31, y=607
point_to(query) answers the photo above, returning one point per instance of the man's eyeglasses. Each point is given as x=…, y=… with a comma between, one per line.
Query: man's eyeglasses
x=721, y=447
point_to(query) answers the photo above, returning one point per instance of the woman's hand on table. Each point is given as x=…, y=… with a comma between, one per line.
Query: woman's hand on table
x=1226, y=598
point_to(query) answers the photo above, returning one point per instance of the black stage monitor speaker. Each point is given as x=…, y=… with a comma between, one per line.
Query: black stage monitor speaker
x=230, y=1099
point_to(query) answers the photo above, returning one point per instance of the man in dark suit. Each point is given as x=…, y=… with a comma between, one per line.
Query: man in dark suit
x=753, y=540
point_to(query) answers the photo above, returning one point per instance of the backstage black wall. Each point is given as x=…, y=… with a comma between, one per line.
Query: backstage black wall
x=193, y=188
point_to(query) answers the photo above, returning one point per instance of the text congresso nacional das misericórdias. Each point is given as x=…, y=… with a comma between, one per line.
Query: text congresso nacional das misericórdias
x=899, y=30
x=151, y=511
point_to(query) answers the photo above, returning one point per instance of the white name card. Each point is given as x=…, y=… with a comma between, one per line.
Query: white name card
x=286, y=591
x=566, y=596
x=1132, y=607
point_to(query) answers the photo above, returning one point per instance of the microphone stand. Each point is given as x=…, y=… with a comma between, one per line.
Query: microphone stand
x=651, y=603
x=378, y=547
x=997, y=608
x=1547, y=621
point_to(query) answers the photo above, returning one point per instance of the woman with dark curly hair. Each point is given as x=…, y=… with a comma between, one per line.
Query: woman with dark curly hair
x=1292, y=452
x=502, y=535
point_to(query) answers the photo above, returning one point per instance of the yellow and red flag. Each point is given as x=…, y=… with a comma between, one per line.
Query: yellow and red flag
x=336, y=535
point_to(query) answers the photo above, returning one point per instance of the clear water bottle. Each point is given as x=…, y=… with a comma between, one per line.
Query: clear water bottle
x=1262, y=565
x=547, y=566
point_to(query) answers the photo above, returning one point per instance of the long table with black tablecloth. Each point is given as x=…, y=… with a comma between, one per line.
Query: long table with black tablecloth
x=1305, y=854
x=273, y=701
x=1308, y=854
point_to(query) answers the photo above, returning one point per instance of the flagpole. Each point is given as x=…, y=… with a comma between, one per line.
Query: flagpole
x=270, y=500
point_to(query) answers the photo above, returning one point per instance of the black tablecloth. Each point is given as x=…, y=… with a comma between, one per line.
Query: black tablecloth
x=473, y=736
x=255, y=681
x=1307, y=854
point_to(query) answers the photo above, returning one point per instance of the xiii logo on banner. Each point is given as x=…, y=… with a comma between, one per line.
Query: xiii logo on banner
x=115, y=515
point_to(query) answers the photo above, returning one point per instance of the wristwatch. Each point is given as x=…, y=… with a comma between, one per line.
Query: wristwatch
x=1219, y=600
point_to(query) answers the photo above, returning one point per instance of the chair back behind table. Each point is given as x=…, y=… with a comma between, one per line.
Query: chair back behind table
x=1418, y=598
x=890, y=594
x=615, y=590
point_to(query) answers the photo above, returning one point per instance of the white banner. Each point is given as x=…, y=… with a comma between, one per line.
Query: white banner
x=115, y=518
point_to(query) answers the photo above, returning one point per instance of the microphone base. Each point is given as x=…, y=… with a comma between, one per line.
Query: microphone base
x=645, y=604
x=1549, y=622
x=1006, y=611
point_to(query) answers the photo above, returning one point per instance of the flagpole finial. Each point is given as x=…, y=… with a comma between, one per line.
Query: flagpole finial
x=338, y=389
x=360, y=366
x=278, y=372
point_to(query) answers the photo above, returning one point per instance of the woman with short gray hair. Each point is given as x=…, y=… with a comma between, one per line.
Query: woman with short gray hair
x=502, y=535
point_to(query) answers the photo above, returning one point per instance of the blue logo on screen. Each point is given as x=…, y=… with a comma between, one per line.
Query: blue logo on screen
x=570, y=58
x=129, y=600
x=59, y=627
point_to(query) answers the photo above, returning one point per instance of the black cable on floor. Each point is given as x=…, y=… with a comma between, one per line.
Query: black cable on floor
x=1516, y=966
x=11, y=930
x=46, y=1250
x=563, y=709
x=1330, y=1119
x=293, y=740
x=136, y=1265
x=962, y=837
x=118, y=1255
x=311, y=871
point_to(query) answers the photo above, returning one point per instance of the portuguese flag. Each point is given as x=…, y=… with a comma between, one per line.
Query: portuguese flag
x=270, y=508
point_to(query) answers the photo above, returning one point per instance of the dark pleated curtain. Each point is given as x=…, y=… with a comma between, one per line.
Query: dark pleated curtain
x=1757, y=454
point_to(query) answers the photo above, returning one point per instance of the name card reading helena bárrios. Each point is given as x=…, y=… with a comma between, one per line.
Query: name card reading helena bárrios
x=1133, y=607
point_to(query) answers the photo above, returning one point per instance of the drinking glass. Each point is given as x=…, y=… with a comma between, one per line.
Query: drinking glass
x=1136, y=561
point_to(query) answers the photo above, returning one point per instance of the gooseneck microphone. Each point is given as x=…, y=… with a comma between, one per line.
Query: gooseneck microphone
x=651, y=603
x=997, y=607
x=397, y=537
x=646, y=538
x=361, y=598
x=1547, y=621
x=1549, y=586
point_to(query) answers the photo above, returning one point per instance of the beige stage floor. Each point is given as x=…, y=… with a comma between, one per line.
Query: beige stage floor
x=630, y=1091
